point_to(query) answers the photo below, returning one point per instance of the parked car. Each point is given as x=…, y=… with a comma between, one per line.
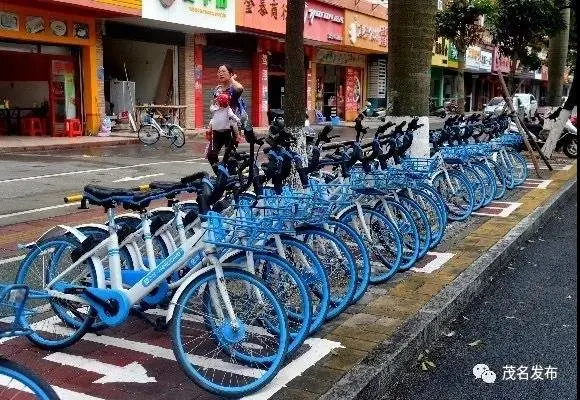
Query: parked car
x=497, y=104
x=529, y=102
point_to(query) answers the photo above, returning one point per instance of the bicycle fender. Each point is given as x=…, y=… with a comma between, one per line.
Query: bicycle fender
x=56, y=231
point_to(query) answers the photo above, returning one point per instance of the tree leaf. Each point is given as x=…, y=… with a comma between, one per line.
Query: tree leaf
x=476, y=343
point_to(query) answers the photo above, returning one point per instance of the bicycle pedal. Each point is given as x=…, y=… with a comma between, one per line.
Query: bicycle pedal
x=160, y=325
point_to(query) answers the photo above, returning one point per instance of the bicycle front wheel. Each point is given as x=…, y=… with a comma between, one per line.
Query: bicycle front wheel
x=18, y=382
x=457, y=192
x=176, y=136
x=148, y=135
x=207, y=352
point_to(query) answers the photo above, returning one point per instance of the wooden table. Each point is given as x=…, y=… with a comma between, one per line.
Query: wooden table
x=15, y=113
x=175, y=112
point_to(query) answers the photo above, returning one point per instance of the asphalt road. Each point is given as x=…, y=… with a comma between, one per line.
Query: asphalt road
x=526, y=318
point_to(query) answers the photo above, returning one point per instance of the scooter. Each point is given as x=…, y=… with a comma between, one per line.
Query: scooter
x=568, y=141
x=368, y=111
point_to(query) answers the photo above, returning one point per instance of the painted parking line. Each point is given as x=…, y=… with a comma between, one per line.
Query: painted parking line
x=432, y=262
x=500, y=209
x=555, y=166
x=38, y=210
x=137, y=359
x=535, y=183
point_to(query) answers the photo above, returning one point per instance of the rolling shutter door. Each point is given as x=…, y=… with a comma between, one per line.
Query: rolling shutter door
x=241, y=62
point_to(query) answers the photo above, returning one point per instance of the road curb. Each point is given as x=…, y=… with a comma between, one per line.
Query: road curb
x=378, y=370
x=69, y=146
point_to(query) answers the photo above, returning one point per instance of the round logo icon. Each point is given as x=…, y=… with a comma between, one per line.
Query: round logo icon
x=166, y=3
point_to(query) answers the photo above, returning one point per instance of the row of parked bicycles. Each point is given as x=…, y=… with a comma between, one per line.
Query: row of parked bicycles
x=270, y=249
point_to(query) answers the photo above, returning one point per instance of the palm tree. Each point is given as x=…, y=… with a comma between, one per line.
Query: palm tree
x=411, y=32
x=557, y=55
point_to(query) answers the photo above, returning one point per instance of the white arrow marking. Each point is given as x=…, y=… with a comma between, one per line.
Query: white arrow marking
x=319, y=348
x=134, y=372
x=135, y=178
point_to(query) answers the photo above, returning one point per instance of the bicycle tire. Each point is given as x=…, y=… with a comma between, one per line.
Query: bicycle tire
x=520, y=165
x=360, y=253
x=339, y=263
x=37, y=292
x=463, y=192
x=289, y=288
x=379, y=263
x=434, y=211
x=148, y=135
x=500, y=178
x=406, y=226
x=177, y=137
x=487, y=175
x=477, y=184
x=31, y=383
x=197, y=373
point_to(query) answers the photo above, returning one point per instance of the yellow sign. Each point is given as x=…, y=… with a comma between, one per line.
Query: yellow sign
x=440, y=51
x=363, y=31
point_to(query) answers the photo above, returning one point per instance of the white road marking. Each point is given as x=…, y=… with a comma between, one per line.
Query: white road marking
x=506, y=211
x=135, y=178
x=61, y=392
x=50, y=325
x=36, y=210
x=133, y=372
x=536, y=183
x=10, y=260
x=319, y=348
x=88, y=171
x=555, y=166
x=434, y=265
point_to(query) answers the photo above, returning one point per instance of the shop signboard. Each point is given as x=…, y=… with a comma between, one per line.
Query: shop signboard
x=500, y=63
x=210, y=14
x=322, y=22
x=353, y=93
x=365, y=32
x=478, y=60
x=324, y=56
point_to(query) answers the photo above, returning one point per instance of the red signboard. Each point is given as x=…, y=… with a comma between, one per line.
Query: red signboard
x=323, y=23
x=500, y=63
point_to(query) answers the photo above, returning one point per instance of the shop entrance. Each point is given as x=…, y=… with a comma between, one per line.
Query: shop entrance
x=330, y=83
x=39, y=89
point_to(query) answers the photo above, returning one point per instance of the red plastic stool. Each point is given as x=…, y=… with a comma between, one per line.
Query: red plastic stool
x=72, y=127
x=31, y=126
x=3, y=127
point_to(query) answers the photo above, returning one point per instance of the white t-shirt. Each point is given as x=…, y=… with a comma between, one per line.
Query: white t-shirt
x=223, y=119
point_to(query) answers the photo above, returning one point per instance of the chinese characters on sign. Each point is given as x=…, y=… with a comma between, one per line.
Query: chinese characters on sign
x=534, y=373
x=275, y=5
x=364, y=31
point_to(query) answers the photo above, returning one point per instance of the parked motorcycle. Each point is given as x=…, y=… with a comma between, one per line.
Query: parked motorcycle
x=368, y=111
x=568, y=141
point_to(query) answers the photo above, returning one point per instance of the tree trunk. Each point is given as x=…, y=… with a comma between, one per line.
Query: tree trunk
x=558, y=126
x=557, y=54
x=295, y=84
x=411, y=32
x=460, y=81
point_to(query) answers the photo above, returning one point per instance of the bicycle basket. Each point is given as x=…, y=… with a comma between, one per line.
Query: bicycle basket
x=297, y=207
x=12, y=310
x=454, y=155
x=223, y=230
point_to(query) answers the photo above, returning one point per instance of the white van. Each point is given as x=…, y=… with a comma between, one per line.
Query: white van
x=529, y=102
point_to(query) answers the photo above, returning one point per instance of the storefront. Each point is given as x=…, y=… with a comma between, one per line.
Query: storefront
x=478, y=80
x=49, y=74
x=159, y=59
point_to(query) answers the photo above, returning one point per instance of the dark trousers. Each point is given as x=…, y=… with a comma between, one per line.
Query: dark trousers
x=220, y=138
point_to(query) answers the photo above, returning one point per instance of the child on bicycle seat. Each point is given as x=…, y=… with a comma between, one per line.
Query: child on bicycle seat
x=223, y=121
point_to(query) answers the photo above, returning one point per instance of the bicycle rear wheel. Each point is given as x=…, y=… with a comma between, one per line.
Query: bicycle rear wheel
x=457, y=192
x=148, y=135
x=18, y=382
x=208, y=352
x=487, y=175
